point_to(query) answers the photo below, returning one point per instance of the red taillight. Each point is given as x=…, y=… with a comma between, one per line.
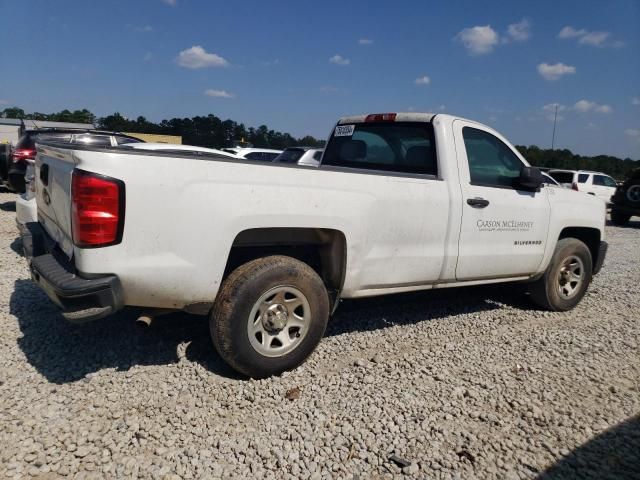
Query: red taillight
x=97, y=209
x=23, y=154
x=574, y=186
x=381, y=117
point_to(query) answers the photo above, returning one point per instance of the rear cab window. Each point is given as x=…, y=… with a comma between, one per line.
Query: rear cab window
x=583, y=177
x=400, y=147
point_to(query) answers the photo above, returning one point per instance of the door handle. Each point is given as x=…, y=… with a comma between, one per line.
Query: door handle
x=477, y=202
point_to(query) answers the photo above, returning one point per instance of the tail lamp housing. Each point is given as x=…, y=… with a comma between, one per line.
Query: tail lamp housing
x=97, y=209
x=381, y=117
x=23, y=154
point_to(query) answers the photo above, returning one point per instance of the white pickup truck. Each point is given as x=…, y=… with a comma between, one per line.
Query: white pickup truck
x=400, y=202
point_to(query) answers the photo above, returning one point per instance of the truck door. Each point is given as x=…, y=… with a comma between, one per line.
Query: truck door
x=504, y=229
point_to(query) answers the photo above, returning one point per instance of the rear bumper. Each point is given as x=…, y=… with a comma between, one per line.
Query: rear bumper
x=81, y=299
x=602, y=252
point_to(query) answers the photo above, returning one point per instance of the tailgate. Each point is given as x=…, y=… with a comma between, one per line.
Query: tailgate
x=54, y=166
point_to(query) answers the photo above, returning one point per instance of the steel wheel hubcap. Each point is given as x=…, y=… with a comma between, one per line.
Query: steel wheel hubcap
x=279, y=321
x=570, y=277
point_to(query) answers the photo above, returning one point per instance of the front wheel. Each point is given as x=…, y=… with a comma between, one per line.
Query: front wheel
x=269, y=316
x=567, y=277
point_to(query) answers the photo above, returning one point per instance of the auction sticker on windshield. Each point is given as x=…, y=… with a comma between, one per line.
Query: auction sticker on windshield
x=344, y=130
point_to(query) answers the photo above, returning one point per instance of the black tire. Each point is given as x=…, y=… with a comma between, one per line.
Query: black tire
x=242, y=290
x=619, y=218
x=632, y=195
x=545, y=292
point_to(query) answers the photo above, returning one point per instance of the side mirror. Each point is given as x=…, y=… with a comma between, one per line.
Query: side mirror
x=530, y=178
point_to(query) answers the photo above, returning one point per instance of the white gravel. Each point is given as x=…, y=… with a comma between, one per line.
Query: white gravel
x=470, y=383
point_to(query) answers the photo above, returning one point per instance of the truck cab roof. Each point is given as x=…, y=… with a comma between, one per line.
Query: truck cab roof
x=388, y=117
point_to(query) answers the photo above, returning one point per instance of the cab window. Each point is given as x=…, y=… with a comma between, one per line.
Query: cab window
x=491, y=162
x=401, y=147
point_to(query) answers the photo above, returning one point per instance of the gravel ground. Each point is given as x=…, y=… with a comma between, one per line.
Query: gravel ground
x=468, y=383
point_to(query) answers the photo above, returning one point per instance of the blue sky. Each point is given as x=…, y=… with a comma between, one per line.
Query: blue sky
x=297, y=66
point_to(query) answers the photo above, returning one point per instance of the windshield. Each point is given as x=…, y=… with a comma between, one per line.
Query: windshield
x=127, y=140
x=289, y=156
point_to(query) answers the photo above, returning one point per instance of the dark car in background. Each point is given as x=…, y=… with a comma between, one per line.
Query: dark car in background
x=626, y=200
x=25, y=150
x=308, y=156
x=5, y=152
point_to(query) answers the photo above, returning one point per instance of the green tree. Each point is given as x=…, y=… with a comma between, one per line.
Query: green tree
x=13, y=112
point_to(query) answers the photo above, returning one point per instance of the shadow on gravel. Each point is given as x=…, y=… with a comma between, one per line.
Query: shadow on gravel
x=614, y=454
x=629, y=224
x=407, y=308
x=64, y=352
x=16, y=246
x=8, y=206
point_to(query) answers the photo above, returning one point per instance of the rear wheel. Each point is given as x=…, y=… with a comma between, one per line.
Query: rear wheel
x=269, y=316
x=567, y=277
x=619, y=218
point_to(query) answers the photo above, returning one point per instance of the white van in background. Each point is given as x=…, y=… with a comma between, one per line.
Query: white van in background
x=593, y=183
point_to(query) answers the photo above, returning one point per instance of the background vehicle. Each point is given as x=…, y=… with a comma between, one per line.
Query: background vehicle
x=258, y=154
x=172, y=148
x=550, y=180
x=626, y=200
x=593, y=183
x=300, y=155
x=5, y=153
x=401, y=202
x=25, y=150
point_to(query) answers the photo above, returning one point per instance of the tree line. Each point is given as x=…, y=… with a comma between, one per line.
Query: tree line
x=211, y=131
x=204, y=131
x=77, y=116
x=564, y=159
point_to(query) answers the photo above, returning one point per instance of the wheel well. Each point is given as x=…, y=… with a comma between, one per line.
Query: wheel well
x=589, y=236
x=324, y=250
